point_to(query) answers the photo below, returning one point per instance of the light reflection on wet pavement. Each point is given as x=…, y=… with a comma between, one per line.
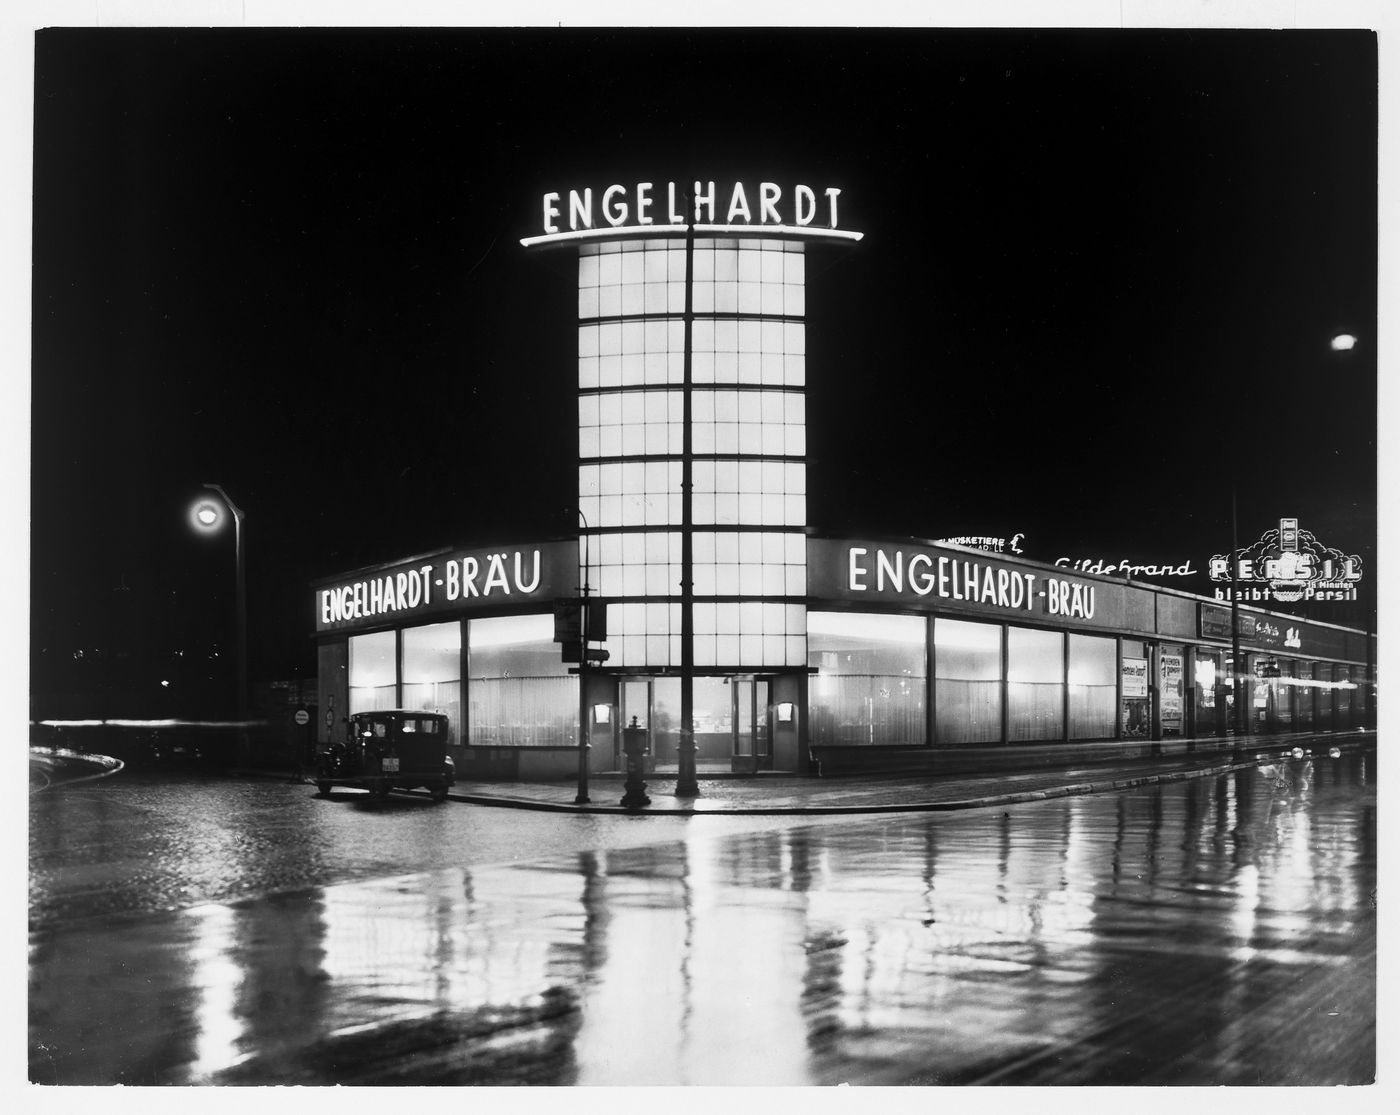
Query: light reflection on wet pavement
x=1219, y=931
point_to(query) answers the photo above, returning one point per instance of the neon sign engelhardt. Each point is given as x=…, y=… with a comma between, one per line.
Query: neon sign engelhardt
x=652, y=208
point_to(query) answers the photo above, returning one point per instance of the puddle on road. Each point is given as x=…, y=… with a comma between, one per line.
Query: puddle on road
x=1217, y=931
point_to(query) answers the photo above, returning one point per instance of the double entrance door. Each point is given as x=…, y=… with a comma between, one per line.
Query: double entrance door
x=732, y=720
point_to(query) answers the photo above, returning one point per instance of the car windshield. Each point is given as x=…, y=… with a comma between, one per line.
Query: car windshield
x=407, y=725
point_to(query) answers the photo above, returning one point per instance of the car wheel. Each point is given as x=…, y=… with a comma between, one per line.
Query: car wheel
x=323, y=788
x=380, y=790
x=439, y=793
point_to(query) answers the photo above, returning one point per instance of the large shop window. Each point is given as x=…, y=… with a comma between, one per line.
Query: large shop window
x=1207, y=689
x=1342, y=700
x=520, y=692
x=1035, y=684
x=1227, y=694
x=432, y=672
x=871, y=678
x=1322, y=704
x=372, y=672
x=1093, y=686
x=1361, y=699
x=967, y=681
x=1281, y=690
x=1304, y=703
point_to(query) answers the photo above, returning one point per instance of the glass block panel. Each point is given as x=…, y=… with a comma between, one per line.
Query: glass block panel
x=631, y=277
x=760, y=563
x=630, y=423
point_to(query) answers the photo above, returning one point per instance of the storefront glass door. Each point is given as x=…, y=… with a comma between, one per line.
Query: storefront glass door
x=732, y=720
x=1208, y=702
x=753, y=749
x=636, y=705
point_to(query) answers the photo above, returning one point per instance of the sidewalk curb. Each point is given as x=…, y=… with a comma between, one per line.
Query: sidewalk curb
x=1114, y=778
x=1074, y=789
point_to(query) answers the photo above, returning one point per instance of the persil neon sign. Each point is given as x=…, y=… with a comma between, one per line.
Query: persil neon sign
x=652, y=209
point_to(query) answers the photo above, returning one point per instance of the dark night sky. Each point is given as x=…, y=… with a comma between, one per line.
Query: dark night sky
x=1099, y=267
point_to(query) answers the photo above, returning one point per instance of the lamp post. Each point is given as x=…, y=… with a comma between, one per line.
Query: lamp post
x=1237, y=680
x=686, y=786
x=585, y=729
x=207, y=516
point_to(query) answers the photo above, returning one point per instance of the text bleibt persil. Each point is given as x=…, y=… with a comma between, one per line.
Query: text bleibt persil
x=953, y=579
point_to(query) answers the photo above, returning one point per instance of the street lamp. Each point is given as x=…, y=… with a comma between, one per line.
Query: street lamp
x=208, y=515
x=584, y=726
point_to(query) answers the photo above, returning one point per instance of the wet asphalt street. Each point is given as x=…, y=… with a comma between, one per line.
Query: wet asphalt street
x=147, y=842
x=1214, y=931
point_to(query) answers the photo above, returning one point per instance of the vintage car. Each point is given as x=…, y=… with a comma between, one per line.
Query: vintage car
x=389, y=749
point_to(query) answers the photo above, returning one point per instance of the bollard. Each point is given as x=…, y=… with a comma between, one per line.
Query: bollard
x=686, y=786
x=634, y=742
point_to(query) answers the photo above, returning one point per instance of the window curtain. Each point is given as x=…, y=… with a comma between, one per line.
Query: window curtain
x=967, y=681
x=1093, y=687
x=869, y=689
x=1035, y=684
x=520, y=693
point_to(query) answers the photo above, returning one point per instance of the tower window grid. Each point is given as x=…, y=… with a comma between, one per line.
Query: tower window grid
x=747, y=460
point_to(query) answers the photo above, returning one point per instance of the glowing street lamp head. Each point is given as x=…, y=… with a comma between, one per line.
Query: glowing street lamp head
x=207, y=515
x=1343, y=342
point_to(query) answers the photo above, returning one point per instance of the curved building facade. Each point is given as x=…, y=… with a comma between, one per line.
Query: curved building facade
x=697, y=603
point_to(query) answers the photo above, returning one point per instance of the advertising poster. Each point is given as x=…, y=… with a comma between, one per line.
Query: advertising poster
x=1134, y=678
x=1171, y=670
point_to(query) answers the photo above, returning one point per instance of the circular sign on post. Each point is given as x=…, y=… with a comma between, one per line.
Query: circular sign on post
x=302, y=716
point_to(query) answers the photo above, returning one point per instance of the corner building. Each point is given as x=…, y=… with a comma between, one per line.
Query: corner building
x=785, y=651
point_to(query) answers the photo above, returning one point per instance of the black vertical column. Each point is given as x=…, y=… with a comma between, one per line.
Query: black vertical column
x=1005, y=685
x=1236, y=667
x=1118, y=688
x=685, y=759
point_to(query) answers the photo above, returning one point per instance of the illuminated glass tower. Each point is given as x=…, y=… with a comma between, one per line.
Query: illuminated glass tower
x=692, y=449
x=745, y=443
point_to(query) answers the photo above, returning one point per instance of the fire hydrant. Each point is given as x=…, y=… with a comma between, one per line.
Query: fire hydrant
x=634, y=745
x=686, y=786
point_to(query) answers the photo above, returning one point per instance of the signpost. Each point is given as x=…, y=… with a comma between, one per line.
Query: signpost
x=577, y=622
x=568, y=622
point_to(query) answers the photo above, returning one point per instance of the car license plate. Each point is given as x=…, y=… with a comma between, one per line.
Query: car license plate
x=391, y=764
